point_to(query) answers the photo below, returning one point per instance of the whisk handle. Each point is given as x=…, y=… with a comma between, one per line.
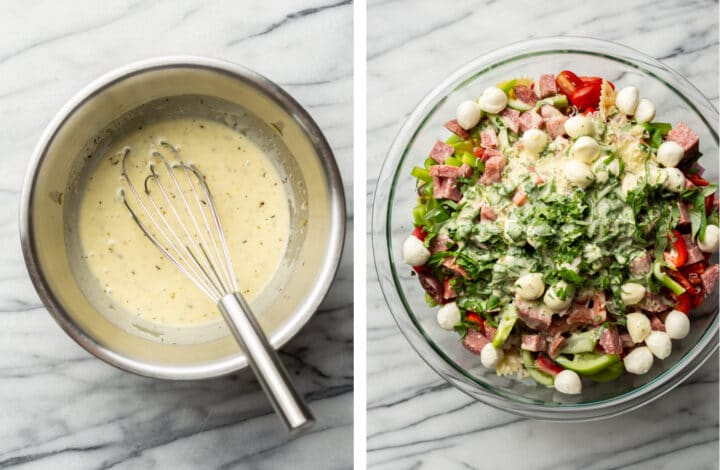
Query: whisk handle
x=265, y=362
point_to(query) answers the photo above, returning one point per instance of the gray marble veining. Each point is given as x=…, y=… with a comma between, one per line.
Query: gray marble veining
x=61, y=407
x=415, y=419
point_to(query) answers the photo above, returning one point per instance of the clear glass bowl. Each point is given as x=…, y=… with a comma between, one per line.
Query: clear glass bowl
x=676, y=100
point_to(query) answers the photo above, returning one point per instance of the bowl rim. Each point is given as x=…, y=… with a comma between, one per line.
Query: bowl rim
x=382, y=247
x=309, y=303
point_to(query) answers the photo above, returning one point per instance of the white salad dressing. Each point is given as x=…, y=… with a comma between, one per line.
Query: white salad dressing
x=144, y=290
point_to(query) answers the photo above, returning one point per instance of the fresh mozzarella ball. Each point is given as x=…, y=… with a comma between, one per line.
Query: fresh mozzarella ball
x=414, y=252
x=670, y=153
x=655, y=176
x=614, y=167
x=552, y=297
x=490, y=356
x=573, y=266
x=493, y=100
x=677, y=325
x=585, y=149
x=601, y=171
x=629, y=182
x=674, y=180
x=632, y=293
x=579, y=174
x=468, y=114
x=627, y=99
x=659, y=343
x=638, y=325
x=579, y=125
x=645, y=111
x=535, y=140
x=639, y=361
x=709, y=243
x=530, y=286
x=448, y=316
x=568, y=382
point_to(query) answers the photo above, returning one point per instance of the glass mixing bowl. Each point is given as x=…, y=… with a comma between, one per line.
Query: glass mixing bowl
x=676, y=100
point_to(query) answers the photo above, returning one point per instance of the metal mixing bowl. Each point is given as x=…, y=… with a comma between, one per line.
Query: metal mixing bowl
x=170, y=87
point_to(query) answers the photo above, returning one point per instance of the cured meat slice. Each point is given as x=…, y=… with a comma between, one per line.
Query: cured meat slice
x=685, y=137
x=441, y=151
x=547, y=85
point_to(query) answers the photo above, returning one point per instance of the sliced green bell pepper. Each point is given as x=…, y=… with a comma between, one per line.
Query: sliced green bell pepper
x=666, y=280
x=612, y=372
x=588, y=363
x=538, y=376
x=507, y=321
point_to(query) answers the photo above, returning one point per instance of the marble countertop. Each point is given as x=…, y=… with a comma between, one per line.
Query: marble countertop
x=59, y=406
x=415, y=419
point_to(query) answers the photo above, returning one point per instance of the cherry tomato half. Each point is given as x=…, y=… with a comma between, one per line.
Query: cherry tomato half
x=567, y=82
x=420, y=233
x=595, y=81
x=586, y=96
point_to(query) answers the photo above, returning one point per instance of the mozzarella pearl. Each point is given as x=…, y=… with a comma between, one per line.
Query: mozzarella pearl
x=632, y=293
x=493, y=100
x=639, y=361
x=448, y=316
x=468, y=114
x=601, y=172
x=552, y=297
x=490, y=356
x=414, y=252
x=645, y=111
x=677, y=325
x=530, y=286
x=534, y=141
x=585, y=149
x=627, y=99
x=638, y=325
x=659, y=343
x=670, y=153
x=614, y=167
x=629, y=182
x=568, y=382
x=674, y=180
x=579, y=174
x=655, y=176
x=579, y=125
x=709, y=242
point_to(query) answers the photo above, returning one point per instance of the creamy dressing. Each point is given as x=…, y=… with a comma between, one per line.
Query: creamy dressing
x=145, y=291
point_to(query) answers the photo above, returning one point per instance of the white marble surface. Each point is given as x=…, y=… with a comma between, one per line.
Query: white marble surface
x=59, y=406
x=415, y=419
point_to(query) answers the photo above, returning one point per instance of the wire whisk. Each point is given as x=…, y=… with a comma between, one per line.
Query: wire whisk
x=176, y=210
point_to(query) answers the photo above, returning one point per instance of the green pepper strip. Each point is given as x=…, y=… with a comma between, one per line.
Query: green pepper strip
x=666, y=280
x=421, y=174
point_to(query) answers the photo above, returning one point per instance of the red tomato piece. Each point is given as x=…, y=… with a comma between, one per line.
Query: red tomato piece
x=479, y=152
x=595, y=81
x=684, y=303
x=420, y=233
x=589, y=111
x=586, y=96
x=677, y=256
x=547, y=365
x=697, y=180
x=472, y=317
x=567, y=82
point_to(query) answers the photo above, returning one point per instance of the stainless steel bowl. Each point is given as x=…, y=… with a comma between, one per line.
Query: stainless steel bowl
x=179, y=86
